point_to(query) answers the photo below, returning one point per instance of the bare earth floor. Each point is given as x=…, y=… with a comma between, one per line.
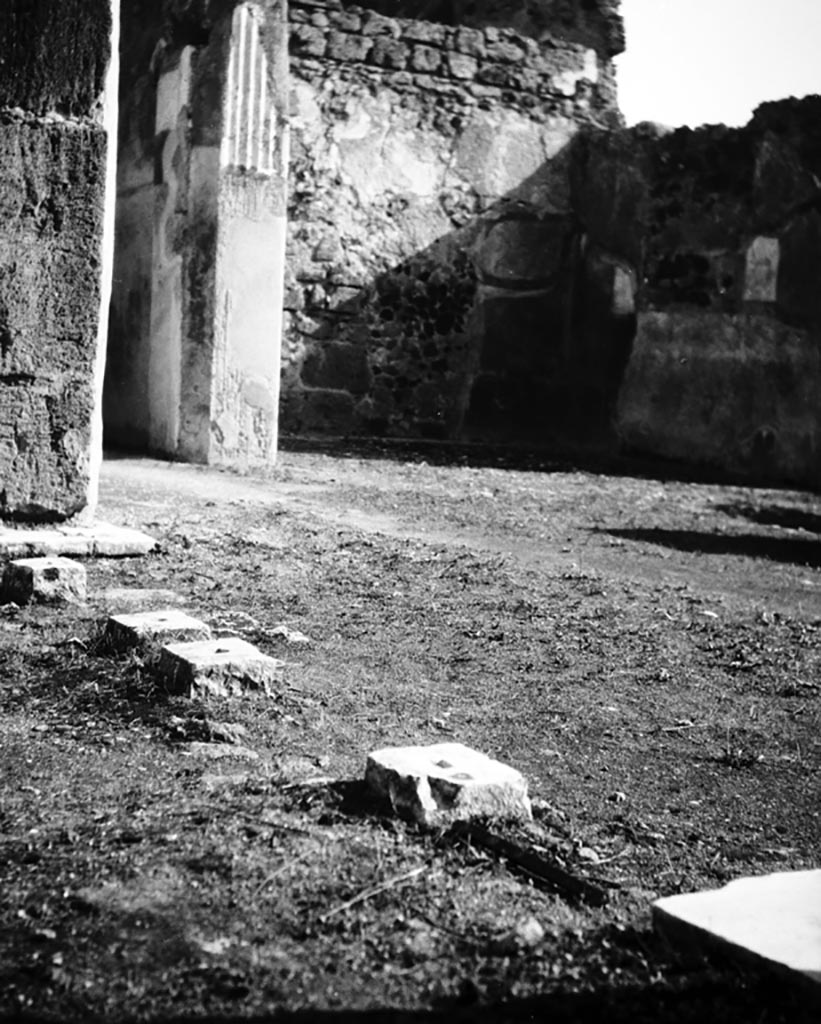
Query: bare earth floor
x=647, y=653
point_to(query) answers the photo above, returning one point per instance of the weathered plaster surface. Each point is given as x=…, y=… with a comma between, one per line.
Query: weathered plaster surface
x=196, y=321
x=53, y=267
x=429, y=210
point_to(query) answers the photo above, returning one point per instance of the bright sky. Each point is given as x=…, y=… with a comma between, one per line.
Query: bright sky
x=707, y=61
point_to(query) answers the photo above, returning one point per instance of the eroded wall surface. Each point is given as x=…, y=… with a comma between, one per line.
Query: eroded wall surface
x=430, y=221
x=721, y=230
x=53, y=147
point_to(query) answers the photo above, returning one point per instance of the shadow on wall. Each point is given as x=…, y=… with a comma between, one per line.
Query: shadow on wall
x=510, y=328
x=645, y=291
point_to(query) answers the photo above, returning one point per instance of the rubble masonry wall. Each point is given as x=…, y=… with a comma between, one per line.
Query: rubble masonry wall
x=722, y=229
x=429, y=221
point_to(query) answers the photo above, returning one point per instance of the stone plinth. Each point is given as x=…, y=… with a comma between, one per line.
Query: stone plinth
x=772, y=921
x=447, y=782
x=170, y=624
x=228, y=667
x=46, y=580
x=97, y=539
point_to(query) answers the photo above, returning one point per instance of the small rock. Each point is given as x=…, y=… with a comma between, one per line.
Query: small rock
x=420, y=944
x=218, y=751
x=215, y=947
x=214, y=782
x=290, y=636
x=227, y=732
x=527, y=933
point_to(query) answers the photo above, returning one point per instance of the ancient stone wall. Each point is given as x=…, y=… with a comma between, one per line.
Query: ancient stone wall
x=594, y=23
x=430, y=222
x=720, y=229
x=53, y=265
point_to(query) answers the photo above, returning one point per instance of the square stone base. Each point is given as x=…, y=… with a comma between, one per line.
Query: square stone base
x=229, y=667
x=46, y=580
x=168, y=625
x=447, y=782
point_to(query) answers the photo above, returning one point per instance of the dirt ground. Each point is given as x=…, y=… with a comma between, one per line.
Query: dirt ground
x=646, y=652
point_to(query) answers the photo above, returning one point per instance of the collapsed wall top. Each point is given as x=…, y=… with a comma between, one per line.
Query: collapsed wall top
x=594, y=23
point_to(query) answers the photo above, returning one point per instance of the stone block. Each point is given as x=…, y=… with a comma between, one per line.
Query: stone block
x=773, y=921
x=426, y=60
x=100, y=539
x=425, y=32
x=390, y=53
x=462, y=66
x=470, y=41
x=307, y=41
x=170, y=624
x=447, y=782
x=47, y=580
x=346, y=47
x=505, y=51
x=227, y=667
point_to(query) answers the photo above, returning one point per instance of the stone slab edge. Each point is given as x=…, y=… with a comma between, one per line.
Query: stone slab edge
x=692, y=937
x=100, y=539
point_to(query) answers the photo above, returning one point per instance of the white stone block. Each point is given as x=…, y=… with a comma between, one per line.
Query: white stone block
x=773, y=920
x=101, y=539
x=447, y=782
x=167, y=625
x=44, y=579
x=228, y=667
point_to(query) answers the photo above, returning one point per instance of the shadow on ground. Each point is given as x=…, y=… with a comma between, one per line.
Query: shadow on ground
x=775, y=515
x=789, y=550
